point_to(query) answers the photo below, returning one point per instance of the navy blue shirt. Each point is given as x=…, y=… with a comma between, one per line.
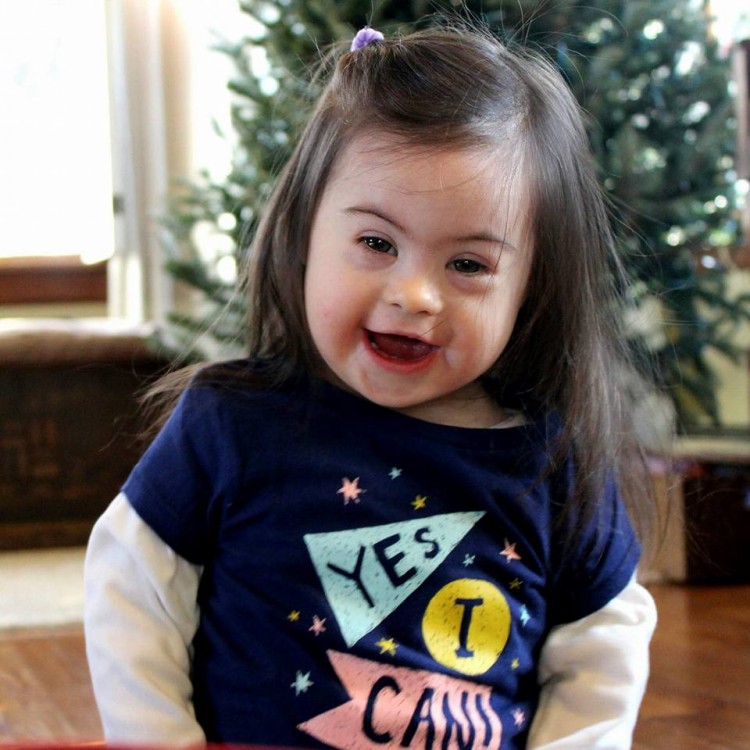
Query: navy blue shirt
x=370, y=580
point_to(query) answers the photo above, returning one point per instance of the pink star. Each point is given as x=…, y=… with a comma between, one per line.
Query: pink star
x=510, y=552
x=350, y=490
x=318, y=626
x=519, y=717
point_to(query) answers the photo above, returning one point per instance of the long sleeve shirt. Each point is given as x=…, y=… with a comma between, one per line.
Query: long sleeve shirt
x=341, y=575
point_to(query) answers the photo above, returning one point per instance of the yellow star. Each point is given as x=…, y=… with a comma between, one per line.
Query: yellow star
x=515, y=664
x=419, y=502
x=387, y=645
x=516, y=584
x=293, y=616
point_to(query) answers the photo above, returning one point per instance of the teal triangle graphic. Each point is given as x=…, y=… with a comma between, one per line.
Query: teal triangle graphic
x=366, y=573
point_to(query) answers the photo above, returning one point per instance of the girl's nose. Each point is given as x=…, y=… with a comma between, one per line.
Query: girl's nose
x=415, y=294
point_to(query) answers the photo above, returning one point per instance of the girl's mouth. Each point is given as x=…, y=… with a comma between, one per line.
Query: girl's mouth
x=403, y=348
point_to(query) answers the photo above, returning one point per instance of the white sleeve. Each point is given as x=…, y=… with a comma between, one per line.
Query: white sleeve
x=593, y=674
x=140, y=616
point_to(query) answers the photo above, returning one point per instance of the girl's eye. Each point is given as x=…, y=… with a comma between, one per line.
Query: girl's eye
x=468, y=266
x=378, y=244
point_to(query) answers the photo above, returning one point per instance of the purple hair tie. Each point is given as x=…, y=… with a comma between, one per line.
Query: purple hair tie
x=364, y=37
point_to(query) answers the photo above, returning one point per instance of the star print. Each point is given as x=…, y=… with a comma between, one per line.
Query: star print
x=516, y=583
x=515, y=664
x=419, y=502
x=302, y=683
x=519, y=717
x=468, y=560
x=350, y=490
x=318, y=626
x=394, y=473
x=524, y=615
x=293, y=616
x=510, y=552
x=387, y=645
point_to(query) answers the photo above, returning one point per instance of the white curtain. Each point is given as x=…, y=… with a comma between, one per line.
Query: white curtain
x=167, y=89
x=741, y=73
x=139, y=289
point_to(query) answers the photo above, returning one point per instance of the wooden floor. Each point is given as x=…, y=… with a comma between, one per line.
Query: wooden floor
x=45, y=692
x=698, y=697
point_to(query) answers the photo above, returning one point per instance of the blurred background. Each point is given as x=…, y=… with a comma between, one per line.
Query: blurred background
x=138, y=140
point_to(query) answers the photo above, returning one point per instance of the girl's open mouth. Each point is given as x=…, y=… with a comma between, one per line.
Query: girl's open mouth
x=402, y=348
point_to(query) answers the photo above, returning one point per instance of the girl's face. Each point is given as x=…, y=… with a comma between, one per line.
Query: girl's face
x=417, y=267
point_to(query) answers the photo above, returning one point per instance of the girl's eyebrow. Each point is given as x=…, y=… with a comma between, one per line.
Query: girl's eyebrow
x=380, y=214
x=375, y=211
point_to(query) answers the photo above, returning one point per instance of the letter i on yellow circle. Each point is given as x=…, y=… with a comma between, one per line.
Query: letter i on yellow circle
x=466, y=625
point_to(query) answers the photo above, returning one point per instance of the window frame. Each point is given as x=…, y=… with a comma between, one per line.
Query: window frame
x=42, y=280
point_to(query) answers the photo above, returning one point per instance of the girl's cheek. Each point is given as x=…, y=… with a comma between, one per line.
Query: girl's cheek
x=328, y=313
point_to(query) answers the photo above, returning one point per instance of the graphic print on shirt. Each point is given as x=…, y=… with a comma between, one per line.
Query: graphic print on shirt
x=466, y=625
x=397, y=707
x=366, y=574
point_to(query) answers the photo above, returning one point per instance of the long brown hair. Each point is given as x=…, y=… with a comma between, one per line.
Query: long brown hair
x=462, y=88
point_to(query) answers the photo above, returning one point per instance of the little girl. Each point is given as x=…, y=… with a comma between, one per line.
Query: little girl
x=400, y=523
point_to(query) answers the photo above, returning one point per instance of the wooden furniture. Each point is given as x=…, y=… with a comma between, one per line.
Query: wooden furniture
x=704, y=508
x=716, y=491
x=68, y=424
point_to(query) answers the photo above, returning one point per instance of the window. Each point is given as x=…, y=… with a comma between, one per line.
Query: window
x=56, y=181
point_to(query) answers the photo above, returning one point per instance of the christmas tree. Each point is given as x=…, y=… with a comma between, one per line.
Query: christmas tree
x=660, y=114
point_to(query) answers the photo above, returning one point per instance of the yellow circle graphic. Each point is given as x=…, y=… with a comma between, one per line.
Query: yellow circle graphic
x=466, y=625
